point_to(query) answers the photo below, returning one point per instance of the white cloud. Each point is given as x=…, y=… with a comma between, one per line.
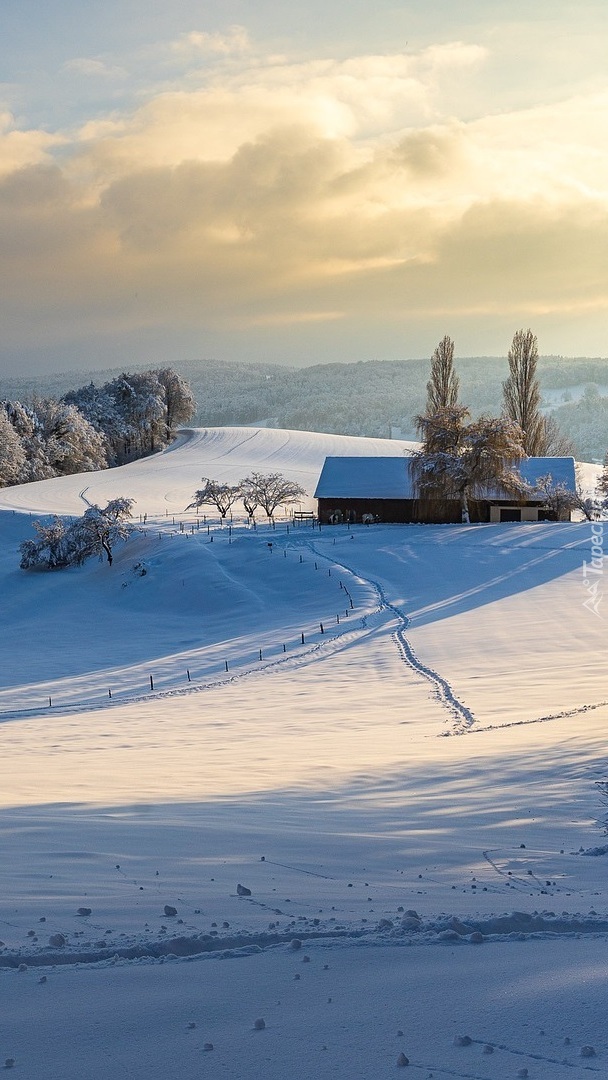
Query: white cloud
x=202, y=43
x=91, y=67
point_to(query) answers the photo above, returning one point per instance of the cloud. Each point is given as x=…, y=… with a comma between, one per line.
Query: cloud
x=315, y=193
x=91, y=67
x=202, y=43
x=19, y=149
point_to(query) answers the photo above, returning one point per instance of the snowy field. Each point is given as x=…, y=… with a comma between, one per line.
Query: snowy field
x=359, y=804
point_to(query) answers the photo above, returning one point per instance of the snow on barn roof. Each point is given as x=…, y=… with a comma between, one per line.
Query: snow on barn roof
x=389, y=477
x=365, y=478
x=561, y=470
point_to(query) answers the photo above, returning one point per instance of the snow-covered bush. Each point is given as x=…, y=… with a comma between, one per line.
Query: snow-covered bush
x=95, y=533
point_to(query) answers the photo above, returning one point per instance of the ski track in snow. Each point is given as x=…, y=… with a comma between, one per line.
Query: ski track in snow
x=443, y=692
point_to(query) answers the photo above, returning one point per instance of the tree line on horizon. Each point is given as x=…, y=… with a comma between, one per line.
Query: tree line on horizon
x=370, y=397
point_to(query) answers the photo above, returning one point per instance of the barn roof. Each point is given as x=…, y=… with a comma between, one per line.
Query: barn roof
x=365, y=478
x=561, y=470
x=389, y=477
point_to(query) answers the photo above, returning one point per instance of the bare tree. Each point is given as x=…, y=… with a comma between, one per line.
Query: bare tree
x=461, y=460
x=556, y=444
x=271, y=490
x=522, y=398
x=249, y=497
x=442, y=388
x=222, y=496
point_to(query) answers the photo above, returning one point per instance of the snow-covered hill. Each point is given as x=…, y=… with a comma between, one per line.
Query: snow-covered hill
x=391, y=737
x=166, y=481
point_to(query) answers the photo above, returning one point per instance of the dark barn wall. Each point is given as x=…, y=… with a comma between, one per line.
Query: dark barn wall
x=400, y=511
x=352, y=510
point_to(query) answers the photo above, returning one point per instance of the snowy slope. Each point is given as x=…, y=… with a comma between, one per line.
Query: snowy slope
x=315, y=772
x=167, y=481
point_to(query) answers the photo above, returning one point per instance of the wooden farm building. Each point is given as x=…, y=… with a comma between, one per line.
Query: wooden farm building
x=380, y=489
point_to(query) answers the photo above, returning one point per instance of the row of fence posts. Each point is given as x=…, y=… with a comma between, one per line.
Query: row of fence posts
x=260, y=650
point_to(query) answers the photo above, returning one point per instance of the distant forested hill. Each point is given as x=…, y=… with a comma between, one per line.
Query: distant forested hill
x=369, y=398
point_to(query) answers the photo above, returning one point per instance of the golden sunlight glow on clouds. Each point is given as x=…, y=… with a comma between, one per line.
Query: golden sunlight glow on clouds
x=264, y=191
x=19, y=149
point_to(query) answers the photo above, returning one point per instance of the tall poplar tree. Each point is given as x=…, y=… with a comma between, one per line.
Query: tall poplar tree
x=521, y=393
x=442, y=387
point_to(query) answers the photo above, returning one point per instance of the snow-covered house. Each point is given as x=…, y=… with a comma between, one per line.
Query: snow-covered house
x=365, y=489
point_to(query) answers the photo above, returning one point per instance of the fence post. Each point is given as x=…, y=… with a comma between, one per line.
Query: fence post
x=151, y=683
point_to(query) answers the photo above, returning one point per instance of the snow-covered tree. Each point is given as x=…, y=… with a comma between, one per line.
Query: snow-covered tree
x=589, y=502
x=72, y=444
x=442, y=388
x=140, y=404
x=95, y=533
x=136, y=413
x=100, y=409
x=270, y=490
x=28, y=427
x=557, y=498
x=222, y=496
x=12, y=453
x=602, y=486
x=99, y=530
x=180, y=405
x=51, y=551
x=462, y=460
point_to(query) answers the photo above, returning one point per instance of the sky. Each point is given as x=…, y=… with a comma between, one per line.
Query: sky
x=333, y=181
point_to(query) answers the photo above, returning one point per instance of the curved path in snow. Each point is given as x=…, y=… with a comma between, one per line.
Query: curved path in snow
x=444, y=693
